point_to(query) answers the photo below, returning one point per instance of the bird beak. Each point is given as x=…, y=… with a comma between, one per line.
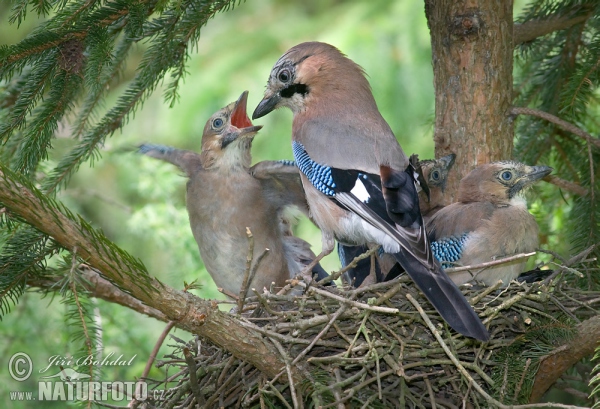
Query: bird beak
x=268, y=104
x=448, y=160
x=537, y=172
x=240, y=120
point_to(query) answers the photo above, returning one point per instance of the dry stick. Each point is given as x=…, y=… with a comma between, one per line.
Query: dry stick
x=489, y=263
x=561, y=123
x=152, y=356
x=430, y=391
x=288, y=369
x=246, y=281
x=189, y=359
x=567, y=263
x=357, y=304
x=491, y=401
x=228, y=293
x=353, y=263
x=487, y=291
x=520, y=384
x=320, y=334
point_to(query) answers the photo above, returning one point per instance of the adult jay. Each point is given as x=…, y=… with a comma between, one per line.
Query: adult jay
x=489, y=221
x=225, y=195
x=358, y=182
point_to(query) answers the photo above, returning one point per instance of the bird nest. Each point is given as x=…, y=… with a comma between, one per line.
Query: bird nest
x=384, y=346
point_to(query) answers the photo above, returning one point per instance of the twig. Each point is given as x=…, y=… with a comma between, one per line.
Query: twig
x=335, y=275
x=490, y=263
x=189, y=359
x=152, y=357
x=339, y=312
x=246, y=280
x=523, y=374
x=357, y=304
x=484, y=293
x=491, y=401
x=286, y=359
x=561, y=123
x=430, y=391
x=566, y=185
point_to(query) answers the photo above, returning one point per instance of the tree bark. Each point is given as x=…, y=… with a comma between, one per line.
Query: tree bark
x=190, y=313
x=472, y=54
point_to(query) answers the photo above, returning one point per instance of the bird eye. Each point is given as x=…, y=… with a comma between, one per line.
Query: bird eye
x=284, y=76
x=435, y=175
x=506, y=175
x=217, y=123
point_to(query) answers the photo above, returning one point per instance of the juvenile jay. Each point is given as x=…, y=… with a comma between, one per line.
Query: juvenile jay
x=433, y=177
x=489, y=221
x=358, y=182
x=435, y=173
x=225, y=195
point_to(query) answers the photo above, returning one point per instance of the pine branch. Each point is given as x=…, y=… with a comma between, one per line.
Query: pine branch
x=567, y=126
x=532, y=29
x=567, y=185
x=98, y=287
x=562, y=358
x=188, y=311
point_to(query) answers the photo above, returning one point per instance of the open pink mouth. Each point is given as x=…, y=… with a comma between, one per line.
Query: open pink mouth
x=239, y=117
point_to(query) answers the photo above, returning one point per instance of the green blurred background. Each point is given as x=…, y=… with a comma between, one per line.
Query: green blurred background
x=140, y=203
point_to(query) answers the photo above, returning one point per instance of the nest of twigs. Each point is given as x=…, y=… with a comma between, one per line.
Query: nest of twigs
x=384, y=346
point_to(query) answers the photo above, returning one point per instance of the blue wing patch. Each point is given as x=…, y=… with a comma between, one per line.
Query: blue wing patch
x=448, y=250
x=287, y=162
x=318, y=175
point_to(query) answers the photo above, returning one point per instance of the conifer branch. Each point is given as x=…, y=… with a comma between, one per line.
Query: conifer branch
x=566, y=185
x=532, y=29
x=188, y=311
x=99, y=287
x=553, y=365
x=561, y=123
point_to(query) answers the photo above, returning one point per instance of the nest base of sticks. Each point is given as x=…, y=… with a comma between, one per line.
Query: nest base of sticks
x=384, y=346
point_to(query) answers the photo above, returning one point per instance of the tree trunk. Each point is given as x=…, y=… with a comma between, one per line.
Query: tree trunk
x=472, y=54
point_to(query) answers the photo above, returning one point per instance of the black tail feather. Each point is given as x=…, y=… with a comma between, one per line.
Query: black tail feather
x=445, y=297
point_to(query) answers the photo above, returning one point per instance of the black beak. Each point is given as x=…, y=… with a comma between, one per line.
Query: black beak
x=539, y=172
x=267, y=105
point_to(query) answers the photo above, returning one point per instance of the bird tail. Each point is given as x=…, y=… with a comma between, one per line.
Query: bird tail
x=444, y=295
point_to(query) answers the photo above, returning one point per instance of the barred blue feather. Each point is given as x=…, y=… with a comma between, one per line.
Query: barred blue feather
x=287, y=162
x=448, y=250
x=318, y=175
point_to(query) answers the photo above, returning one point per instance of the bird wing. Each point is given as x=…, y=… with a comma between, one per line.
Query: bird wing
x=188, y=161
x=397, y=214
x=281, y=183
x=450, y=228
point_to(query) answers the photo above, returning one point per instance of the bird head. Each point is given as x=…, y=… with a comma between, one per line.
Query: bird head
x=499, y=182
x=435, y=171
x=228, y=135
x=311, y=72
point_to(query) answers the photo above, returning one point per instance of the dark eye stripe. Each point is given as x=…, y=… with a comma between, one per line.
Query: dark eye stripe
x=292, y=89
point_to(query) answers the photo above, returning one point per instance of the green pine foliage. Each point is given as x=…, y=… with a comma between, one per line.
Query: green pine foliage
x=559, y=73
x=61, y=73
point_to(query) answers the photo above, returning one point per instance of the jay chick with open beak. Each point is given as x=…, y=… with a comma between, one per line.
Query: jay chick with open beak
x=358, y=182
x=489, y=221
x=225, y=195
